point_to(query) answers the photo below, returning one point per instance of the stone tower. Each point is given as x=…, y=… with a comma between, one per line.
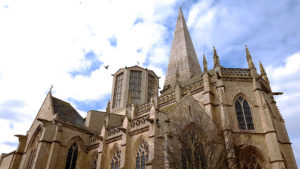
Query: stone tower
x=231, y=110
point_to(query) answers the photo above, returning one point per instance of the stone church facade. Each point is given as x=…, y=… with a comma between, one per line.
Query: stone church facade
x=237, y=104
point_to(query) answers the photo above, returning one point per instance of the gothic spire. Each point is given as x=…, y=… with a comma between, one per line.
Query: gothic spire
x=204, y=63
x=216, y=58
x=249, y=58
x=183, y=56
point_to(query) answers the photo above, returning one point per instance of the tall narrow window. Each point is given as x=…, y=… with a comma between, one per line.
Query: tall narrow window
x=118, y=90
x=151, y=86
x=243, y=113
x=142, y=155
x=94, y=165
x=115, y=161
x=135, y=86
x=33, y=147
x=72, y=156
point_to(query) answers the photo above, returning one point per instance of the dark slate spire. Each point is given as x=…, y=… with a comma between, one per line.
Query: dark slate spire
x=183, y=56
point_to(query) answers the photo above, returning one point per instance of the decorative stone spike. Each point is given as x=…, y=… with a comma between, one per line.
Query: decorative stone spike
x=216, y=58
x=204, y=63
x=249, y=58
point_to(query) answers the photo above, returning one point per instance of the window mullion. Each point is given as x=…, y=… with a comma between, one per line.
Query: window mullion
x=242, y=104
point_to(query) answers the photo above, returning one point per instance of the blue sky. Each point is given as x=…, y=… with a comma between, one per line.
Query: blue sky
x=68, y=43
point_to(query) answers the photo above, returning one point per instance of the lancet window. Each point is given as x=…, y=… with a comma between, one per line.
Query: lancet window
x=118, y=90
x=142, y=155
x=192, y=152
x=94, y=165
x=151, y=86
x=135, y=86
x=115, y=161
x=72, y=156
x=33, y=147
x=243, y=113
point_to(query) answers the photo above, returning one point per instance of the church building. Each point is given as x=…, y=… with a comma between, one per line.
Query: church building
x=211, y=118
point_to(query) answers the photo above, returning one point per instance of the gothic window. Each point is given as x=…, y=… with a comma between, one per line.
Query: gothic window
x=142, y=155
x=33, y=146
x=118, y=90
x=243, y=113
x=192, y=152
x=135, y=86
x=115, y=161
x=249, y=158
x=151, y=86
x=94, y=165
x=31, y=158
x=72, y=156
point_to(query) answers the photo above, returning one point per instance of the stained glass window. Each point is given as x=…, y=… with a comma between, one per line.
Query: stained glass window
x=243, y=113
x=118, y=90
x=72, y=156
x=142, y=155
x=135, y=86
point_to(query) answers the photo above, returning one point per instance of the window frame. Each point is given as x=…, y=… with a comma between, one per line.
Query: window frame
x=242, y=102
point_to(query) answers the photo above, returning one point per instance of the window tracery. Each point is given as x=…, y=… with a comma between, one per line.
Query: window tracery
x=118, y=90
x=249, y=158
x=142, y=155
x=151, y=87
x=94, y=165
x=72, y=156
x=192, y=151
x=135, y=86
x=33, y=148
x=243, y=113
x=115, y=161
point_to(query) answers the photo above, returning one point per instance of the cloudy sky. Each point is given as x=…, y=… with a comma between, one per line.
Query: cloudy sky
x=67, y=44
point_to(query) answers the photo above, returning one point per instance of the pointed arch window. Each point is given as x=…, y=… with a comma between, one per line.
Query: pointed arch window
x=243, y=113
x=94, y=165
x=72, y=156
x=115, y=161
x=33, y=147
x=142, y=155
x=118, y=90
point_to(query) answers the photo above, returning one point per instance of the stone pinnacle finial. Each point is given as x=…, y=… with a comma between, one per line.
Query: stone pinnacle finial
x=263, y=72
x=204, y=63
x=216, y=58
x=108, y=107
x=249, y=58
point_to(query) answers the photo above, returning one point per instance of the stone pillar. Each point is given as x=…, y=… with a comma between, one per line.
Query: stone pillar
x=102, y=150
x=54, y=147
x=19, y=152
x=42, y=152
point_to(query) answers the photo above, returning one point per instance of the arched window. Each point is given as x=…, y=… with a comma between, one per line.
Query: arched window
x=249, y=158
x=115, y=161
x=72, y=156
x=192, y=152
x=94, y=165
x=243, y=113
x=142, y=155
x=33, y=147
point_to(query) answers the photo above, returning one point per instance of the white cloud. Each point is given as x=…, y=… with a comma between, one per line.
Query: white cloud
x=42, y=41
x=286, y=78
